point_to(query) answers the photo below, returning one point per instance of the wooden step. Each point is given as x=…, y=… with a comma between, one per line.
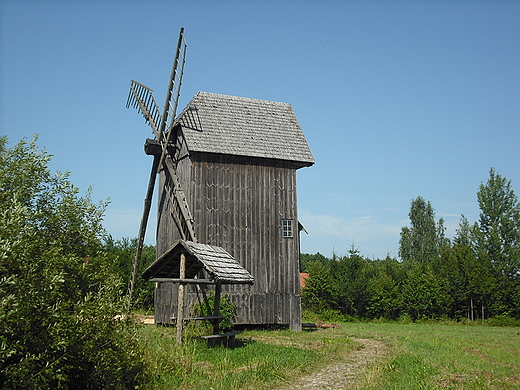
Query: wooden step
x=209, y=318
x=216, y=336
x=227, y=339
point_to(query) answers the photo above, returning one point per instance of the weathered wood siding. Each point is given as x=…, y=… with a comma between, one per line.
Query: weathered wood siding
x=239, y=204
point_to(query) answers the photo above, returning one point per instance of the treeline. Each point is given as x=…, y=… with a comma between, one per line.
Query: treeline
x=475, y=275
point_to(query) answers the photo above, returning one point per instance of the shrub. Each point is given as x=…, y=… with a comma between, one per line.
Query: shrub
x=58, y=295
x=502, y=321
x=227, y=309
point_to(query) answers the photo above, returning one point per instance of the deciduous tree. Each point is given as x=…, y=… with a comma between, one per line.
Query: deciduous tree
x=497, y=232
x=421, y=242
x=497, y=239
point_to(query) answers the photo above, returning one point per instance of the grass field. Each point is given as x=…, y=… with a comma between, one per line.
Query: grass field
x=426, y=356
x=419, y=356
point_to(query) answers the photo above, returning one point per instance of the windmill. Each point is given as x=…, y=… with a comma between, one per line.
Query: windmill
x=141, y=97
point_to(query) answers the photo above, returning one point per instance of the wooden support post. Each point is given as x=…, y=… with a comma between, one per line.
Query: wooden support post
x=142, y=231
x=180, y=299
x=216, y=310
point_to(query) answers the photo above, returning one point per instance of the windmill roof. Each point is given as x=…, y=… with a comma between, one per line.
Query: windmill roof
x=215, y=123
x=219, y=264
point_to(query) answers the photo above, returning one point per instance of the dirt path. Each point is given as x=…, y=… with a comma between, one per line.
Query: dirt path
x=341, y=375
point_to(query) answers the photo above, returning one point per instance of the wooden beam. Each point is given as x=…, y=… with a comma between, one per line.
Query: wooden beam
x=182, y=281
x=142, y=230
x=180, y=299
x=216, y=310
x=200, y=318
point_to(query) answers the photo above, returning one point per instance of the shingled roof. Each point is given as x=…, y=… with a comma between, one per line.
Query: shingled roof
x=214, y=123
x=218, y=263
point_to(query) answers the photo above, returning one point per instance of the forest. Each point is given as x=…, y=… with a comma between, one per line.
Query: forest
x=475, y=275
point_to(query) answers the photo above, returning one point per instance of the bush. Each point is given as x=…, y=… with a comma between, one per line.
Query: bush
x=59, y=297
x=502, y=321
x=227, y=309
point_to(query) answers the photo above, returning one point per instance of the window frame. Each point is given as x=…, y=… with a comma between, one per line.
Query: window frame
x=287, y=228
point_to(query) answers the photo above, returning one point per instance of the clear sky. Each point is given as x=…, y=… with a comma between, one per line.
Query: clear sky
x=397, y=99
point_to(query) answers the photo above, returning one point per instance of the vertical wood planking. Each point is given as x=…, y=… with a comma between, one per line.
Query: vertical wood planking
x=239, y=204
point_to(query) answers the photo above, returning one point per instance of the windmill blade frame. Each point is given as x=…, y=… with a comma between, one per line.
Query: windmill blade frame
x=141, y=97
x=175, y=83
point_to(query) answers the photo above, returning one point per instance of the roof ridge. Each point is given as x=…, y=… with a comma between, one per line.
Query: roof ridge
x=234, y=97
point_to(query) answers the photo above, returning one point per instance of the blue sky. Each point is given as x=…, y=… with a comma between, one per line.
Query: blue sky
x=397, y=99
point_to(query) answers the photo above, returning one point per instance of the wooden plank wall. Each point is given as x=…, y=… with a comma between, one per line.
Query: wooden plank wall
x=239, y=204
x=166, y=295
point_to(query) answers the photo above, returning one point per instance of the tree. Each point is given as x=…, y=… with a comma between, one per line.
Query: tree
x=121, y=253
x=425, y=293
x=497, y=239
x=351, y=292
x=59, y=296
x=498, y=230
x=421, y=241
x=383, y=290
x=307, y=259
x=338, y=284
x=471, y=278
x=320, y=287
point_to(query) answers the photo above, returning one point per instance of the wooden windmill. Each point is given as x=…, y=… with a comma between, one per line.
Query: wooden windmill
x=141, y=97
x=227, y=167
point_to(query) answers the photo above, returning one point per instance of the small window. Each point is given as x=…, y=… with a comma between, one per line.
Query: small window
x=287, y=228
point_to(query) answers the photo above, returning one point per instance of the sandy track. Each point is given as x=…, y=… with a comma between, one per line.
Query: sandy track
x=341, y=375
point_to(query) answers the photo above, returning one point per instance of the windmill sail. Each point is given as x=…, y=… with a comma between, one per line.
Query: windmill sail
x=173, y=94
x=141, y=97
x=174, y=87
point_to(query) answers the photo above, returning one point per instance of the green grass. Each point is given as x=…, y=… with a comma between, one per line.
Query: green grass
x=432, y=356
x=262, y=359
x=419, y=356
